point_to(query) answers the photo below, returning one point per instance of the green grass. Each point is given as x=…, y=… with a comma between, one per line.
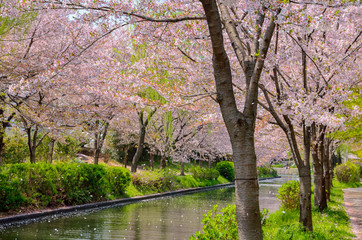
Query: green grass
x=332, y=223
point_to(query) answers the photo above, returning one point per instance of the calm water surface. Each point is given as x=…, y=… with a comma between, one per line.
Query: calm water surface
x=168, y=218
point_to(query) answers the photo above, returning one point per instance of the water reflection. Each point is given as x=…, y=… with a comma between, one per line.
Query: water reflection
x=163, y=219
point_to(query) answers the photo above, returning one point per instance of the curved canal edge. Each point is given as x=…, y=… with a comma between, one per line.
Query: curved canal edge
x=21, y=219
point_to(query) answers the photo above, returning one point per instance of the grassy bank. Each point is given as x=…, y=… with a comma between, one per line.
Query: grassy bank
x=332, y=224
x=28, y=187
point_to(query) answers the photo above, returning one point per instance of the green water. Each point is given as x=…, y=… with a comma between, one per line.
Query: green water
x=168, y=218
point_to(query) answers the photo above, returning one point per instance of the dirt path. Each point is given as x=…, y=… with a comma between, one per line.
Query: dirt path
x=353, y=204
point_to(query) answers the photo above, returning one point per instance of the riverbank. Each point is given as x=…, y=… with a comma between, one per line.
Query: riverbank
x=26, y=188
x=332, y=223
x=47, y=214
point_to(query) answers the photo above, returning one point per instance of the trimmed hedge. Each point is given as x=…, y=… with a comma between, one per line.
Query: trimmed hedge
x=48, y=185
x=226, y=169
x=348, y=172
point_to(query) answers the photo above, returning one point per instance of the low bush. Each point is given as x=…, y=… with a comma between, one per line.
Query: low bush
x=187, y=181
x=15, y=147
x=266, y=171
x=226, y=169
x=222, y=226
x=204, y=173
x=289, y=195
x=44, y=185
x=154, y=181
x=119, y=179
x=347, y=172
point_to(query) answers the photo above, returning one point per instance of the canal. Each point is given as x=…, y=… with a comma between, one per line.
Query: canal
x=168, y=218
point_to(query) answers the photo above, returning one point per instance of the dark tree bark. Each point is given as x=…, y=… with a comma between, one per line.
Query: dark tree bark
x=99, y=137
x=163, y=162
x=3, y=125
x=125, y=158
x=327, y=163
x=33, y=139
x=240, y=125
x=320, y=199
x=51, y=153
x=305, y=211
x=141, y=140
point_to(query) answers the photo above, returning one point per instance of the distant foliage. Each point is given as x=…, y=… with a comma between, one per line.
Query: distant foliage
x=204, y=173
x=59, y=184
x=155, y=181
x=267, y=171
x=289, y=195
x=348, y=172
x=16, y=149
x=226, y=169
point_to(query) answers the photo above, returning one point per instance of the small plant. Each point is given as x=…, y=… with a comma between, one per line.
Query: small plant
x=289, y=195
x=347, y=172
x=222, y=225
x=204, y=173
x=226, y=169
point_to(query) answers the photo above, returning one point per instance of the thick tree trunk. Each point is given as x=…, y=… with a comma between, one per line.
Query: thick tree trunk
x=240, y=126
x=319, y=185
x=305, y=213
x=139, y=150
x=246, y=185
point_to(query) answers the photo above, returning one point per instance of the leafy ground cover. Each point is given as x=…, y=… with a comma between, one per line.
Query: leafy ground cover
x=332, y=223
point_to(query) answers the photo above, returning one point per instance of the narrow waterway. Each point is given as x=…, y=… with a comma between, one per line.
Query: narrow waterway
x=176, y=217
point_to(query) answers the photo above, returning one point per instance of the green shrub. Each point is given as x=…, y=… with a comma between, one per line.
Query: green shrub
x=187, y=181
x=118, y=178
x=226, y=169
x=347, y=172
x=154, y=181
x=204, y=173
x=289, y=195
x=58, y=184
x=10, y=194
x=16, y=148
x=223, y=225
x=266, y=171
